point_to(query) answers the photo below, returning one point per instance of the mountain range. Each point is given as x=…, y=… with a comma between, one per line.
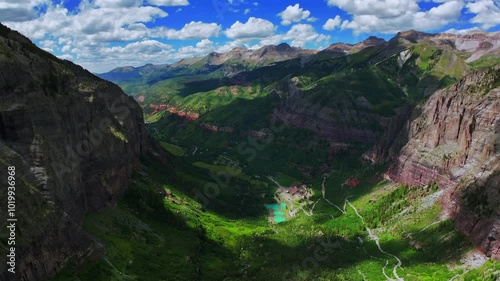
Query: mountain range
x=475, y=45
x=369, y=161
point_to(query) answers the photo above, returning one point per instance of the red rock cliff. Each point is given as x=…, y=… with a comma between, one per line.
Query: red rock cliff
x=454, y=140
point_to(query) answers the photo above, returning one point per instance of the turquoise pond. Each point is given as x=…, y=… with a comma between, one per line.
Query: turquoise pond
x=277, y=211
x=281, y=206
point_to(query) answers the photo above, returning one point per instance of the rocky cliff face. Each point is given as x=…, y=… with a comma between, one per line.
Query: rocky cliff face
x=339, y=123
x=456, y=134
x=454, y=141
x=73, y=139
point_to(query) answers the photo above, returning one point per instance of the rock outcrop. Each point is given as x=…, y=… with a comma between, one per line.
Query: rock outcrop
x=455, y=136
x=339, y=123
x=74, y=140
x=454, y=141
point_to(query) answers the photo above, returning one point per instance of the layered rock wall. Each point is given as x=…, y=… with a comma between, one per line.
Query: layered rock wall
x=454, y=141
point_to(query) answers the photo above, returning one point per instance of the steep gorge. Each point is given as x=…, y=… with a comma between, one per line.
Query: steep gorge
x=74, y=140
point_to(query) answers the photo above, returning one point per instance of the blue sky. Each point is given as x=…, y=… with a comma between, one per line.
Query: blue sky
x=103, y=34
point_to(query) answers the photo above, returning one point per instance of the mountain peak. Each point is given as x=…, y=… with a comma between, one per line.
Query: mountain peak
x=127, y=68
x=214, y=54
x=374, y=40
x=283, y=46
x=237, y=49
x=412, y=35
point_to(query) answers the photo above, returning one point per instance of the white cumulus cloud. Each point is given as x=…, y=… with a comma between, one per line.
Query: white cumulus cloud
x=103, y=34
x=201, y=48
x=301, y=34
x=194, y=30
x=169, y=2
x=332, y=24
x=253, y=28
x=390, y=16
x=298, y=35
x=117, y=3
x=20, y=10
x=487, y=13
x=293, y=14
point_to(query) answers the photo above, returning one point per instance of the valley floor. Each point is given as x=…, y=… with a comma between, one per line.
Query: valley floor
x=372, y=230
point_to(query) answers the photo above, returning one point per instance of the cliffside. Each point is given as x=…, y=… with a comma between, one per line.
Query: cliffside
x=74, y=140
x=454, y=140
x=454, y=136
x=348, y=119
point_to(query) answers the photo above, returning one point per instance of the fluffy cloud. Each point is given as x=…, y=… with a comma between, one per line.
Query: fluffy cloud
x=301, y=34
x=103, y=58
x=91, y=24
x=104, y=34
x=331, y=24
x=202, y=48
x=117, y=3
x=487, y=13
x=20, y=10
x=228, y=46
x=253, y=28
x=140, y=48
x=381, y=8
x=463, y=31
x=293, y=14
x=298, y=36
x=169, y=2
x=194, y=30
x=390, y=16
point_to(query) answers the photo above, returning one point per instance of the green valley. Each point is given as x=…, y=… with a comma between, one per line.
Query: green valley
x=371, y=161
x=264, y=174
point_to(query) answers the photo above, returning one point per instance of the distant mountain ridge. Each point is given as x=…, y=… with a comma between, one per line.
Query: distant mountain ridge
x=128, y=72
x=478, y=44
x=247, y=58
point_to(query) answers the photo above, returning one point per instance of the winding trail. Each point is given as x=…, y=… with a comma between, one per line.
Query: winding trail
x=116, y=269
x=311, y=210
x=436, y=222
x=361, y=273
x=383, y=270
x=409, y=234
x=323, y=191
x=371, y=235
x=377, y=241
x=327, y=215
x=456, y=276
x=343, y=211
x=273, y=180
